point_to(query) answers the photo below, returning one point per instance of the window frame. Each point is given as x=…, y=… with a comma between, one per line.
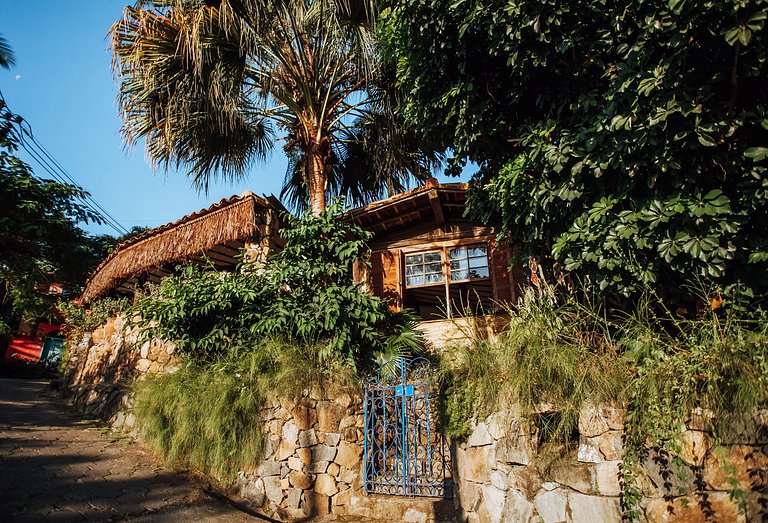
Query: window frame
x=445, y=261
x=469, y=267
x=423, y=264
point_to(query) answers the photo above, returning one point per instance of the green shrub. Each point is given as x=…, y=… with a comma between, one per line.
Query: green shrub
x=660, y=366
x=304, y=295
x=79, y=320
x=716, y=362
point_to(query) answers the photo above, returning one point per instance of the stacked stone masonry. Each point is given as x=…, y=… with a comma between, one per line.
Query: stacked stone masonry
x=104, y=362
x=312, y=464
x=499, y=479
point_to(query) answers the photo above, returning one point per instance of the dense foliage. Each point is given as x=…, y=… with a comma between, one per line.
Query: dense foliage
x=40, y=241
x=627, y=139
x=553, y=352
x=78, y=320
x=269, y=330
x=304, y=294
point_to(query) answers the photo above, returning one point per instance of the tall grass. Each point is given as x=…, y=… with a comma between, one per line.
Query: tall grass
x=207, y=418
x=715, y=362
x=562, y=353
x=202, y=419
x=551, y=353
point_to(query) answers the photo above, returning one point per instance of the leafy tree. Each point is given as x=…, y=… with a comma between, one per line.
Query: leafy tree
x=304, y=295
x=628, y=139
x=205, y=83
x=40, y=242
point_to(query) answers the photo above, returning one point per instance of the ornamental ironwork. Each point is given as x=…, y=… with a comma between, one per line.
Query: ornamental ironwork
x=404, y=453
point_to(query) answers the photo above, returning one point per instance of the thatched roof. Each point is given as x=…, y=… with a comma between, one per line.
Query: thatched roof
x=216, y=232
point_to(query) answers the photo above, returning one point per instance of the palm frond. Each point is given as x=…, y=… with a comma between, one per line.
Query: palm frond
x=207, y=83
x=7, y=59
x=181, y=91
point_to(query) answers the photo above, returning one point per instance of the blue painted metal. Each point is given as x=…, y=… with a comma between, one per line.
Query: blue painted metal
x=404, y=454
x=52, y=349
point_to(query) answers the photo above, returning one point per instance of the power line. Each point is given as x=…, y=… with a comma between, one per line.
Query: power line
x=86, y=199
x=66, y=174
x=46, y=160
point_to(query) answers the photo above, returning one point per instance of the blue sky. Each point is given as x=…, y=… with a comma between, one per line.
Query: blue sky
x=62, y=85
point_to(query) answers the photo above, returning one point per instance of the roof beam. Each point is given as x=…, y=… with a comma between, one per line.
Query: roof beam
x=437, y=208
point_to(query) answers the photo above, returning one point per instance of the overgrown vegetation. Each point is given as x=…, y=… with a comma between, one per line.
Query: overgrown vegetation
x=716, y=365
x=207, y=416
x=78, y=320
x=560, y=353
x=297, y=323
x=628, y=140
x=304, y=294
x=551, y=353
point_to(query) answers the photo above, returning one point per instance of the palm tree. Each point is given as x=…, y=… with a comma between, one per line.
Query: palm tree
x=209, y=84
x=6, y=54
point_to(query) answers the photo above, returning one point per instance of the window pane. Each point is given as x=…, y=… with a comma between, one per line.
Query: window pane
x=459, y=275
x=414, y=269
x=459, y=252
x=433, y=267
x=433, y=278
x=432, y=257
x=458, y=264
x=478, y=262
x=477, y=250
x=480, y=272
x=414, y=280
x=414, y=259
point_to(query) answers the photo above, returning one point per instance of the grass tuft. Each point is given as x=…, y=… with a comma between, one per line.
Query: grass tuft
x=207, y=417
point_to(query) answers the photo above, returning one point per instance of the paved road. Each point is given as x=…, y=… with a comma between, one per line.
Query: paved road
x=55, y=468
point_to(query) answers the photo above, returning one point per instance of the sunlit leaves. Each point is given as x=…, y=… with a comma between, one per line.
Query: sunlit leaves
x=627, y=140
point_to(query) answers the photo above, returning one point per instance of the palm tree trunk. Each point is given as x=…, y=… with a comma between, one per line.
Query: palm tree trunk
x=317, y=160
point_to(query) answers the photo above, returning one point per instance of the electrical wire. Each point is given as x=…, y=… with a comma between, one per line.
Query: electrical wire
x=103, y=212
x=54, y=168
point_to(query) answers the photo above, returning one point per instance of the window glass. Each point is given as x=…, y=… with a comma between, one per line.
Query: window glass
x=469, y=262
x=423, y=269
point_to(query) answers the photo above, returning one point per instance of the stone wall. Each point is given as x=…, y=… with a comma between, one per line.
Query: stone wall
x=105, y=361
x=312, y=461
x=442, y=335
x=312, y=466
x=499, y=479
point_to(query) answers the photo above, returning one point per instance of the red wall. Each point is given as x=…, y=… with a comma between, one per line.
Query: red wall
x=29, y=347
x=25, y=347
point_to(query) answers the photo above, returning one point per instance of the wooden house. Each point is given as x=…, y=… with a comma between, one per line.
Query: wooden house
x=425, y=255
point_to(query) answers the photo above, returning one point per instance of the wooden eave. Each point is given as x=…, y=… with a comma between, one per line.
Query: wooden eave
x=433, y=202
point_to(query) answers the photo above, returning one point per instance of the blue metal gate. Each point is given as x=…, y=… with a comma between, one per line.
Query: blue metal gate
x=404, y=454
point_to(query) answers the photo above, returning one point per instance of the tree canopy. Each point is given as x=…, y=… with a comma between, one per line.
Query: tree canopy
x=40, y=241
x=211, y=84
x=629, y=139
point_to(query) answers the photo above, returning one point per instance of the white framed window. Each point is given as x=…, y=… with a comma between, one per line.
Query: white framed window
x=469, y=262
x=464, y=263
x=424, y=268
